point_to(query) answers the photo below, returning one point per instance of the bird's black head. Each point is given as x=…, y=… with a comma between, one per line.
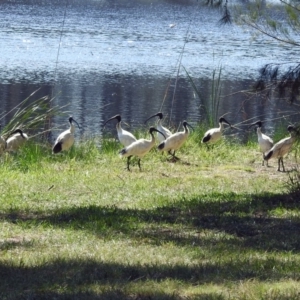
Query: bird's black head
x=117, y=117
x=159, y=114
x=223, y=120
x=152, y=129
x=18, y=131
x=291, y=128
x=258, y=124
x=71, y=120
x=185, y=124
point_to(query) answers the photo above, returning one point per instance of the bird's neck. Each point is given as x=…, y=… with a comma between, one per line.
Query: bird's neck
x=186, y=130
x=258, y=131
x=152, y=138
x=72, y=128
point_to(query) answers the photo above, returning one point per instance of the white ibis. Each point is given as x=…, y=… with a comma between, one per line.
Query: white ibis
x=161, y=128
x=139, y=148
x=125, y=137
x=265, y=142
x=214, y=134
x=16, y=140
x=281, y=148
x=66, y=139
x=175, y=141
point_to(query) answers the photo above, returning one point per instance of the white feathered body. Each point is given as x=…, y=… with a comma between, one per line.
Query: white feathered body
x=15, y=141
x=265, y=142
x=213, y=135
x=66, y=139
x=281, y=148
x=175, y=141
x=138, y=148
x=125, y=137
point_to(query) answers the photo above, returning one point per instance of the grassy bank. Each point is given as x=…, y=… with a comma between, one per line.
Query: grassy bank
x=214, y=225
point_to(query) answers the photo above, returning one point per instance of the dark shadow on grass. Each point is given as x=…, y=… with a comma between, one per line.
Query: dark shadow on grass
x=77, y=277
x=245, y=217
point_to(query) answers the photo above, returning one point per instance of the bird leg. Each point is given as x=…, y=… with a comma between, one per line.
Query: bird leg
x=139, y=164
x=128, y=162
x=173, y=155
x=263, y=162
x=280, y=159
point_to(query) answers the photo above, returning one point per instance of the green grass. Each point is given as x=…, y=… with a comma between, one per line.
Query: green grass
x=214, y=225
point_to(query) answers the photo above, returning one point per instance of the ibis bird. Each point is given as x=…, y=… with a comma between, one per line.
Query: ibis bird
x=175, y=141
x=16, y=140
x=66, y=139
x=281, y=148
x=125, y=137
x=161, y=128
x=265, y=142
x=139, y=148
x=214, y=134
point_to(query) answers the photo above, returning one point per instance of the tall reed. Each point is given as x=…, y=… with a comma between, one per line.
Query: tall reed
x=32, y=115
x=211, y=103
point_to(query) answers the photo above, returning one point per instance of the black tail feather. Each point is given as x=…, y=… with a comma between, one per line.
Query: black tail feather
x=268, y=155
x=123, y=151
x=161, y=146
x=57, y=148
x=206, y=138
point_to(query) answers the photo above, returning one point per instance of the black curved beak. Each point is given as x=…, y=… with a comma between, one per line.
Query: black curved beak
x=225, y=121
x=253, y=124
x=76, y=123
x=189, y=125
x=112, y=118
x=156, y=115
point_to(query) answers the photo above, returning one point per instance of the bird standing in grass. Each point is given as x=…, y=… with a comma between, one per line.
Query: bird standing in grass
x=214, y=134
x=125, y=137
x=161, y=128
x=265, y=142
x=16, y=140
x=175, y=141
x=139, y=148
x=66, y=139
x=281, y=148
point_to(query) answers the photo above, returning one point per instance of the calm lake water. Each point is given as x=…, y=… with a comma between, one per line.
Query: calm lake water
x=109, y=57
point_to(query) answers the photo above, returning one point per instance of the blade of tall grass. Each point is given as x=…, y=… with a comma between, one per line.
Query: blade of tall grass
x=210, y=104
x=32, y=115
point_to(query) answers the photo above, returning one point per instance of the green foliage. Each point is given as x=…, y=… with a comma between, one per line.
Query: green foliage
x=210, y=104
x=293, y=183
x=32, y=115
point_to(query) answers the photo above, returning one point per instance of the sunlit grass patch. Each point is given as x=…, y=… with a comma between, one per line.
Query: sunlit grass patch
x=215, y=224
